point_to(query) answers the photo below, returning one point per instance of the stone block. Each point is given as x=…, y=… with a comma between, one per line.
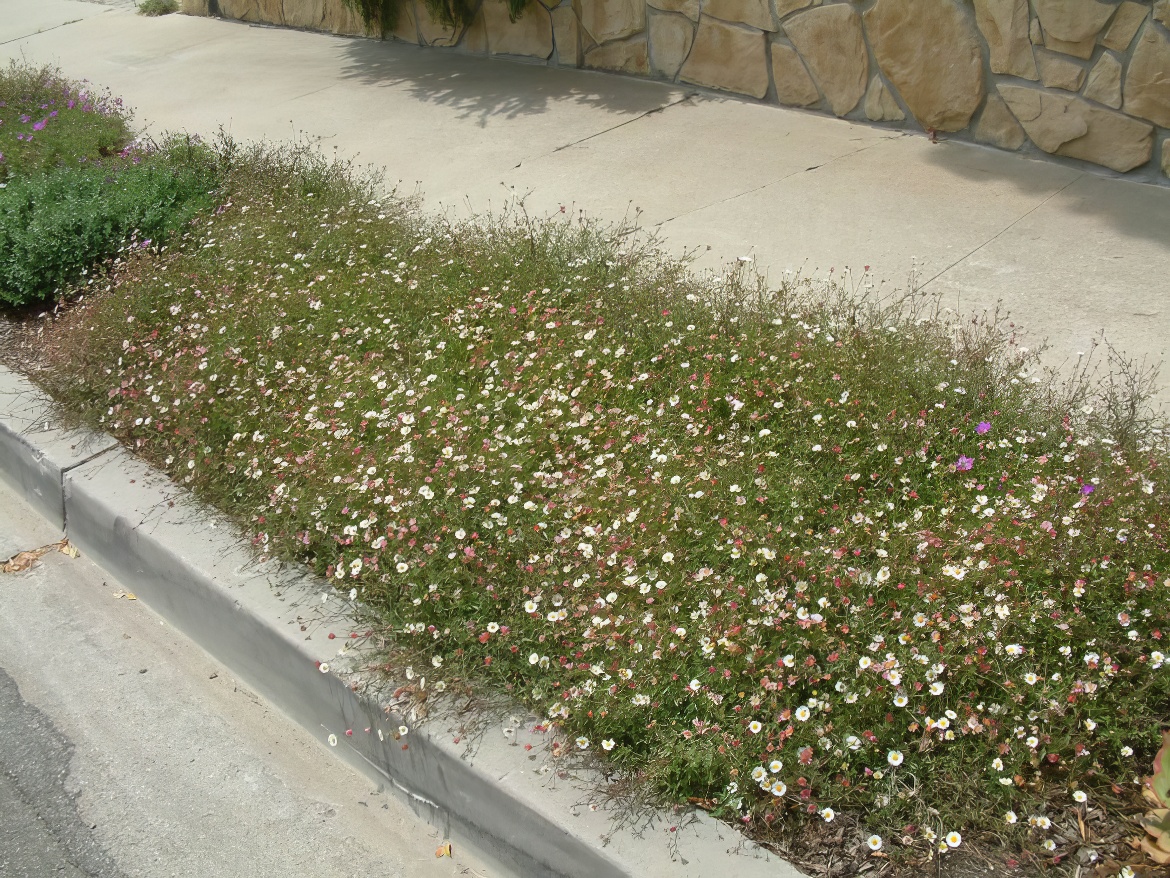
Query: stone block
x=753, y=13
x=565, y=35
x=607, y=20
x=880, y=105
x=1082, y=49
x=405, y=28
x=1147, y=82
x=930, y=52
x=1073, y=21
x=341, y=19
x=530, y=35
x=1071, y=126
x=308, y=14
x=621, y=56
x=830, y=42
x=1004, y=24
x=671, y=37
x=730, y=57
x=689, y=8
x=794, y=87
x=1162, y=12
x=432, y=32
x=1056, y=71
x=786, y=7
x=1126, y=21
x=1104, y=82
x=998, y=127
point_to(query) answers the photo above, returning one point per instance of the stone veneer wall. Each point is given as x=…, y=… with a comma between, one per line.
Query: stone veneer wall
x=1085, y=79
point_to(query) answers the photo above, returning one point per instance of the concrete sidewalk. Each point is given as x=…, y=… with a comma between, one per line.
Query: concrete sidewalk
x=1069, y=253
x=128, y=751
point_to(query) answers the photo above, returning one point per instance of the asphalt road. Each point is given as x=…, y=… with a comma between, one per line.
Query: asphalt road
x=125, y=750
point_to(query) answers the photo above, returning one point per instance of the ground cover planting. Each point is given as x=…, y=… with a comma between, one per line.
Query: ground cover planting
x=75, y=184
x=860, y=580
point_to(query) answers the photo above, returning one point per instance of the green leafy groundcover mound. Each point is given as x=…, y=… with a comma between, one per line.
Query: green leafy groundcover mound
x=75, y=186
x=56, y=224
x=800, y=559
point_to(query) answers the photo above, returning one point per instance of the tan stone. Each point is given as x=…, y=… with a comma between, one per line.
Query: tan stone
x=405, y=28
x=342, y=19
x=689, y=8
x=1147, y=82
x=304, y=13
x=611, y=19
x=1104, y=83
x=671, y=37
x=794, y=87
x=564, y=21
x=1070, y=126
x=1004, y=24
x=430, y=31
x=829, y=40
x=1126, y=21
x=1082, y=49
x=998, y=127
x=730, y=57
x=784, y=7
x=880, y=105
x=1035, y=34
x=754, y=13
x=620, y=56
x=1166, y=156
x=475, y=41
x=530, y=35
x=240, y=10
x=1059, y=72
x=195, y=7
x=1162, y=12
x=1073, y=20
x=930, y=52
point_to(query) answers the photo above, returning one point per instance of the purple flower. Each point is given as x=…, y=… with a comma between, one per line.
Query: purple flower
x=1087, y=489
x=40, y=126
x=964, y=463
x=25, y=118
x=983, y=427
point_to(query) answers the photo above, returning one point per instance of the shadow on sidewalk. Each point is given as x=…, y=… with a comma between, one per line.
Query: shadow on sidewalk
x=1131, y=208
x=481, y=88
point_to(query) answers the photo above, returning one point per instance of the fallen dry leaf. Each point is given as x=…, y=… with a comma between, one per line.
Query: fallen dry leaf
x=128, y=595
x=443, y=850
x=24, y=560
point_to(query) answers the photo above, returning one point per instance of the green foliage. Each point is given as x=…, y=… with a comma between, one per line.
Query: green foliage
x=789, y=552
x=382, y=16
x=55, y=224
x=157, y=7
x=47, y=120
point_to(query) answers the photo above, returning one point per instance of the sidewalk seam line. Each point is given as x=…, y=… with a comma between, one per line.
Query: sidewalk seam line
x=53, y=28
x=787, y=176
x=1001, y=232
x=639, y=117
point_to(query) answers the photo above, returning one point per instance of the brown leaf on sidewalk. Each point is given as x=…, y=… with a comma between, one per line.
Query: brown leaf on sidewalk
x=443, y=850
x=24, y=560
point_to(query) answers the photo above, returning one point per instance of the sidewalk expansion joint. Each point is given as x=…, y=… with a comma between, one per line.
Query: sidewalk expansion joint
x=48, y=29
x=651, y=112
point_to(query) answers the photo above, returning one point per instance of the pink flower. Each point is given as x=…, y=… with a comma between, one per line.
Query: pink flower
x=964, y=463
x=983, y=427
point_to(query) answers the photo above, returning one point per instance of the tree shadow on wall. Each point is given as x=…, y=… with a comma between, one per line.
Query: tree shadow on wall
x=483, y=88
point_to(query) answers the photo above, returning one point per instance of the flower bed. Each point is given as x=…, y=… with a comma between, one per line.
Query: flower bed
x=846, y=575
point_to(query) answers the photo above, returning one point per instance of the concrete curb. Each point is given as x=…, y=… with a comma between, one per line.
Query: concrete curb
x=269, y=624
